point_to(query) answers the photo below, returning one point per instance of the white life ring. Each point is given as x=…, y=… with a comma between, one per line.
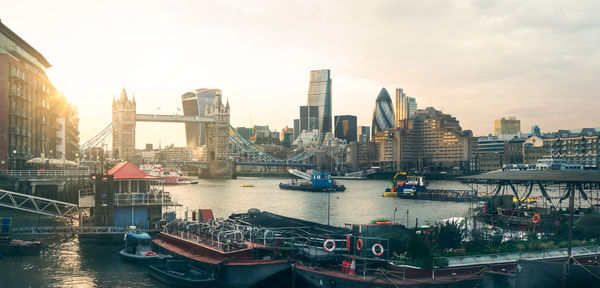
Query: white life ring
x=373, y=249
x=326, y=247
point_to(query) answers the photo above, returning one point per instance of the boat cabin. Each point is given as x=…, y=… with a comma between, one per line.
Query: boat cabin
x=137, y=243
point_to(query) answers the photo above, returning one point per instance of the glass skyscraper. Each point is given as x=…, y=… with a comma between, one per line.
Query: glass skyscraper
x=405, y=107
x=319, y=94
x=383, y=113
x=194, y=104
x=345, y=128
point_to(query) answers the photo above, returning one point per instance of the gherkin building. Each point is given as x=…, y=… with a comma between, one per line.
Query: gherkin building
x=383, y=113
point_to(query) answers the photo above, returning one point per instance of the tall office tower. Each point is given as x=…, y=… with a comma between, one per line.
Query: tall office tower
x=309, y=118
x=194, y=104
x=507, y=128
x=383, y=113
x=405, y=107
x=345, y=128
x=319, y=94
x=535, y=130
x=296, y=129
x=365, y=134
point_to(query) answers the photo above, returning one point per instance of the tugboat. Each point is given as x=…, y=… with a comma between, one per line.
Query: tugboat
x=137, y=249
x=319, y=182
x=179, y=273
x=413, y=185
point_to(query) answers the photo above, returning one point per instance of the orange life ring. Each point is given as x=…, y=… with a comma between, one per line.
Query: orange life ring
x=359, y=244
x=536, y=218
x=380, y=250
x=150, y=253
x=327, y=247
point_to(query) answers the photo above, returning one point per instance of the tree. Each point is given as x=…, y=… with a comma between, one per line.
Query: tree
x=449, y=234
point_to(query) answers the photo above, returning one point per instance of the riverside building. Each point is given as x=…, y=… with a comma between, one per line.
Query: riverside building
x=31, y=123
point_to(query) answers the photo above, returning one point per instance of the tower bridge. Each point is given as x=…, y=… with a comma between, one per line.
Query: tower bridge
x=206, y=121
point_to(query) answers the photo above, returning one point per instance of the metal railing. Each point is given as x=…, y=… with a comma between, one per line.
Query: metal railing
x=44, y=173
x=38, y=205
x=74, y=230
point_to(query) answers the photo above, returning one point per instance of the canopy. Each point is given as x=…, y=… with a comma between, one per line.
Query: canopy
x=138, y=236
x=52, y=162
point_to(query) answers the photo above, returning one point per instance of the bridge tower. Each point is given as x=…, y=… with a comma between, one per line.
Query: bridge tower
x=123, y=124
x=217, y=139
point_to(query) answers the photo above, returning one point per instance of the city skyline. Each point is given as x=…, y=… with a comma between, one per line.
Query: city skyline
x=518, y=60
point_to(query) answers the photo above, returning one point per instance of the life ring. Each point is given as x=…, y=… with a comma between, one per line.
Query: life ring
x=536, y=218
x=359, y=244
x=150, y=253
x=326, y=246
x=373, y=249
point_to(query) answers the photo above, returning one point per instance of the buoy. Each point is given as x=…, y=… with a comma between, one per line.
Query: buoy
x=326, y=246
x=374, y=249
x=359, y=244
x=536, y=218
x=150, y=253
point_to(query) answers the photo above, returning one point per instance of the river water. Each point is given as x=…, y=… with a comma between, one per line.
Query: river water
x=65, y=262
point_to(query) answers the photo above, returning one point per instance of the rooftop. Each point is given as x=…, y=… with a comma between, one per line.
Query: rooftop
x=562, y=176
x=19, y=41
x=126, y=170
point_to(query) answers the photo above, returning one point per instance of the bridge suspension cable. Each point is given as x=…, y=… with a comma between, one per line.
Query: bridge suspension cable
x=252, y=151
x=97, y=139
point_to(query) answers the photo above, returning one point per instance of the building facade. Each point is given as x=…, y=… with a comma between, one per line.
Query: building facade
x=507, y=128
x=67, y=131
x=309, y=118
x=195, y=103
x=123, y=121
x=364, y=134
x=28, y=122
x=383, y=113
x=405, y=107
x=444, y=143
x=319, y=94
x=345, y=128
x=575, y=147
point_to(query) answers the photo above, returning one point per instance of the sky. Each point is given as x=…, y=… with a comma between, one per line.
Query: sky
x=476, y=60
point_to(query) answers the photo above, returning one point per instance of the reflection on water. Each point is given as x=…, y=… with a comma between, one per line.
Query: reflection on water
x=360, y=203
x=65, y=262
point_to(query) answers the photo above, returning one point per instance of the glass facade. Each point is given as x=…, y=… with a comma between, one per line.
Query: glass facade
x=309, y=118
x=194, y=104
x=319, y=94
x=345, y=128
x=383, y=113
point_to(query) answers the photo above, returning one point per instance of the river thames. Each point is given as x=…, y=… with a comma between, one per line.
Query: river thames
x=65, y=262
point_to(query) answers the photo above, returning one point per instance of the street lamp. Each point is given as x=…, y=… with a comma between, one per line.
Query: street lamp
x=14, y=159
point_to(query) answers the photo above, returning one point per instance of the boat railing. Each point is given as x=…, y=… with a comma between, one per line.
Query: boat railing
x=513, y=257
x=125, y=199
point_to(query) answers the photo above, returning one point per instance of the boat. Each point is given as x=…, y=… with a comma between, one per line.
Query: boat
x=415, y=187
x=178, y=273
x=137, y=249
x=247, y=185
x=390, y=194
x=170, y=176
x=319, y=182
x=9, y=246
x=221, y=248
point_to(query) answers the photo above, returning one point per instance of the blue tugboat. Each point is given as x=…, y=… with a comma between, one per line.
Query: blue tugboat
x=137, y=249
x=319, y=182
x=412, y=186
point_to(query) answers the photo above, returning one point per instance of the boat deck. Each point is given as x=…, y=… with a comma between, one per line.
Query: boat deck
x=210, y=254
